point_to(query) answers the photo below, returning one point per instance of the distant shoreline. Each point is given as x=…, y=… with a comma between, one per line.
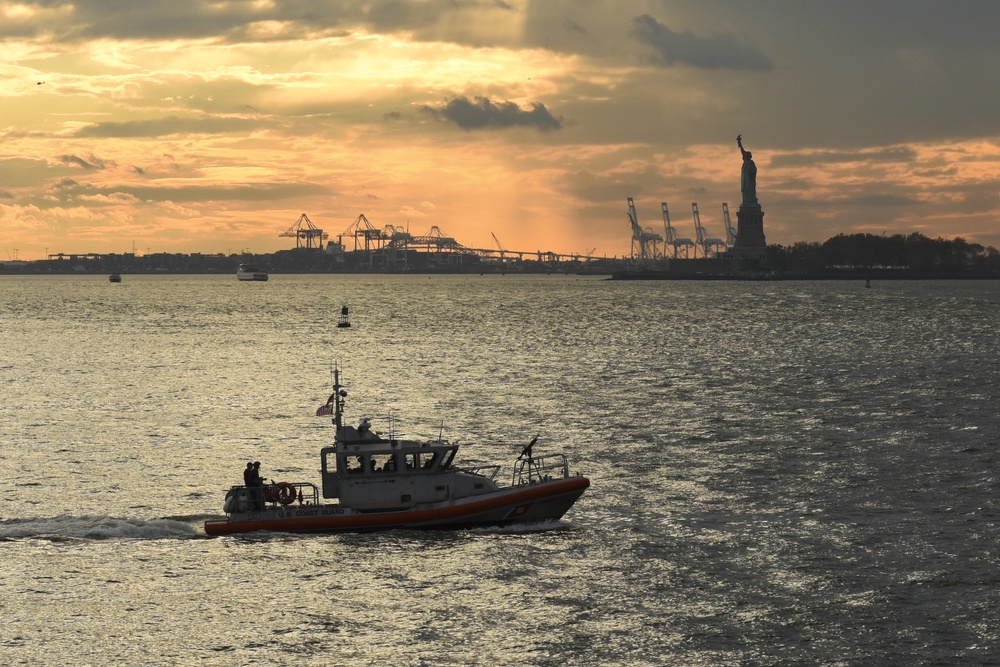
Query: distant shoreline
x=853, y=275
x=826, y=276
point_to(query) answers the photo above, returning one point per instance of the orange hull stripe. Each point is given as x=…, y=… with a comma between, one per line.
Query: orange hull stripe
x=401, y=518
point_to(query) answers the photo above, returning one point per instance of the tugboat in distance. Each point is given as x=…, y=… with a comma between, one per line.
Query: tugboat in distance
x=385, y=483
x=248, y=272
x=115, y=278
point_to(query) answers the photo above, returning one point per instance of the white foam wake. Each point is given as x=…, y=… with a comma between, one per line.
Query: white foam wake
x=96, y=528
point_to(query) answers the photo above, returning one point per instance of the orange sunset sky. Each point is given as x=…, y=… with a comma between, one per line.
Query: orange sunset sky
x=204, y=126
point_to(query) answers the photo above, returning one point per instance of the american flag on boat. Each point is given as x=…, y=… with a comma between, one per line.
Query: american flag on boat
x=326, y=410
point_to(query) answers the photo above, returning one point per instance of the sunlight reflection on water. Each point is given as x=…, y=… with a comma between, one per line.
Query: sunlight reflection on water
x=783, y=473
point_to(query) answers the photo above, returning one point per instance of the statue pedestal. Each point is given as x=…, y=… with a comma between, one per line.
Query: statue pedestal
x=750, y=242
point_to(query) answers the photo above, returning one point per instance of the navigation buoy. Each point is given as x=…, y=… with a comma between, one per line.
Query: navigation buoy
x=344, y=322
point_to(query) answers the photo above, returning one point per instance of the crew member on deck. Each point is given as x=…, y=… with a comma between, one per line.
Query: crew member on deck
x=364, y=428
x=257, y=487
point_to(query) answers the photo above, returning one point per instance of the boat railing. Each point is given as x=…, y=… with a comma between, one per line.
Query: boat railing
x=275, y=494
x=540, y=469
x=303, y=493
x=490, y=472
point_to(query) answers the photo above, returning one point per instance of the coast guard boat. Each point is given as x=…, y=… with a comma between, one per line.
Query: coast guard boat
x=383, y=483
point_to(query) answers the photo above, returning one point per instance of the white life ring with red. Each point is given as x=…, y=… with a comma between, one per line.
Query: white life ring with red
x=285, y=493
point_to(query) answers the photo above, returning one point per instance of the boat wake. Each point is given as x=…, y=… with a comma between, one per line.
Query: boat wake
x=83, y=528
x=534, y=527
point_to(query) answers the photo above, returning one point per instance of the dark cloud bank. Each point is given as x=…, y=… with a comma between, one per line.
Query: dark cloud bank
x=722, y=51
x=484, y=114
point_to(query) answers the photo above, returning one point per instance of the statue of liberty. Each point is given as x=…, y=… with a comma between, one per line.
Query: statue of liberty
x=748, y=177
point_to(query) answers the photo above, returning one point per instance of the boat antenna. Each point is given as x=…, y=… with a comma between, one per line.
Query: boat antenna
x=339, y=395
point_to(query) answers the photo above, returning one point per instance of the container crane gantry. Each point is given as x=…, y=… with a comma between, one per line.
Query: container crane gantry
x=730, y=232
x=703, y=241
x=643, y=240
x=306, y=234
x=673, y=239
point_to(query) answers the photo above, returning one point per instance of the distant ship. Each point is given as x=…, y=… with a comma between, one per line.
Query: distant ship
x=248, y=272
x=115, y=277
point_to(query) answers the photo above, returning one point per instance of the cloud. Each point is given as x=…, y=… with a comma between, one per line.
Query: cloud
x=479, y=21
x=111, y=199
x=484, y=114
x=876, y=199
x=888, y=154
x=93, y=162
x=721, y=51
x=245, y=192
x=411, y=212
x=166, y=126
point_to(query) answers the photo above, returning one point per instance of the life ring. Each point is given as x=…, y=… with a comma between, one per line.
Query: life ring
x=286, y=493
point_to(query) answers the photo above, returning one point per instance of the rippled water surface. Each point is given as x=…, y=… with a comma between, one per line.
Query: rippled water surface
x=782, y=473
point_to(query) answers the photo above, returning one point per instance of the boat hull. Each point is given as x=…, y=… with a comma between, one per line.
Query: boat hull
x=512, y=505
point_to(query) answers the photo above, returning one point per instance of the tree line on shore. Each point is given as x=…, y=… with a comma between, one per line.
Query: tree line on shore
x=914, y=252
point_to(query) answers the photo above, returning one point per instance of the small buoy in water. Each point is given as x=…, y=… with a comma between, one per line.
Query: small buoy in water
x=344, y=322
x=868, y=283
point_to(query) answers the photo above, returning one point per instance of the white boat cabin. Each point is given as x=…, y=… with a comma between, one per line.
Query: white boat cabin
x=366, y=471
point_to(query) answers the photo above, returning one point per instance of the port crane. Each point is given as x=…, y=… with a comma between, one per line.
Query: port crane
x=675, y=241
x=306, y=234
x=502, y=250
x=703, y=240
x=730, y=232
x=643, y=240
x=391, y=245
x=362, y=230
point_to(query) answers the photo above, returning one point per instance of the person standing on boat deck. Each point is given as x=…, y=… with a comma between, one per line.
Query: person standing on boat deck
x=364, y=427
x=250, y=477
x=257, y=486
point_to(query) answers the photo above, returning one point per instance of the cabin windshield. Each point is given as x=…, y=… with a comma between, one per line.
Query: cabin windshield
x=448, y=457
x=421, y=460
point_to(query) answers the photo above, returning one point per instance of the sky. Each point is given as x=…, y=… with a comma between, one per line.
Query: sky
x=212, y=126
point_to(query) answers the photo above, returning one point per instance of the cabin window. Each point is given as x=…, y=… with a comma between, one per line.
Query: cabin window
x=329, y=462
x=383, y=463
x=448, y=458
x=355, y=464
x=420, y=461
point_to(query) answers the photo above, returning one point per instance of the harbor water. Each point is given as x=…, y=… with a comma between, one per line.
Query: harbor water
x=783, y=473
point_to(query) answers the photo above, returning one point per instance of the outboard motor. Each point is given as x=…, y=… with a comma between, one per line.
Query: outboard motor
x=237, y=500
